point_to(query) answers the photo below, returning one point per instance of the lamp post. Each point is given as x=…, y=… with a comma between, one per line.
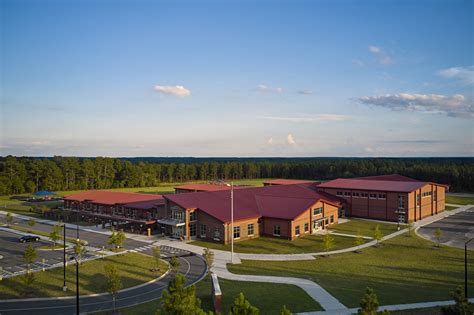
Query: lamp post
x=232, y=222
x=77, y=224
x=465, y=267
x=77, y=283
x=64, y=258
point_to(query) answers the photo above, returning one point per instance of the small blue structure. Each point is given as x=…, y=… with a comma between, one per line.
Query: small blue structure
x=43, y=193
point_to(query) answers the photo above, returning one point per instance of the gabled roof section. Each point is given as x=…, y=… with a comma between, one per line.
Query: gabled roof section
x=203, y=187
x=389, y=177
x=375, y=185
x=279, y=201
x=286, y=181
x=106, y=197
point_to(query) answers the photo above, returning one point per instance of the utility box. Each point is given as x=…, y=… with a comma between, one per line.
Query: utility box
x=216, y=294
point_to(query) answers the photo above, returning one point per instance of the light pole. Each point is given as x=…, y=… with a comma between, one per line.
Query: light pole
x=64, y=257
x=232, y=222
x=77, y=283
x=465, y=267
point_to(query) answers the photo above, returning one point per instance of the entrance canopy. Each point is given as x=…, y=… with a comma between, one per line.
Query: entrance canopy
x=171, y=222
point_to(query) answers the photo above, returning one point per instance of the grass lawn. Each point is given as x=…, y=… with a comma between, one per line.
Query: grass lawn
x=423, y=311
x=258, y=294
x=403, y=270
x=273, y=245
x=449, y=208
x=365, y=227
x=134, y=269
x=460, y=200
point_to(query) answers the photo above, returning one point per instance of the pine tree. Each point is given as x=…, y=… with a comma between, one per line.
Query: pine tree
x=378, y=234
x=461, y=306
x=285, y=311
x=55, y=234
x=369, y=303
x=9, y=218
x=242, y=306
x=29, y=256
x=174, y=263
x=31, y=223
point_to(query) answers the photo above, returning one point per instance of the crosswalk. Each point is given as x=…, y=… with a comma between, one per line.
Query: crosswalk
x=166, y=251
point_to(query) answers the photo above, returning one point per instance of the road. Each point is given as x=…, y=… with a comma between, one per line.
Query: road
x=192, y=266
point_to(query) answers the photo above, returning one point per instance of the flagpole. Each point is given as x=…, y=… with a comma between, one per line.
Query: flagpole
x=232, y=222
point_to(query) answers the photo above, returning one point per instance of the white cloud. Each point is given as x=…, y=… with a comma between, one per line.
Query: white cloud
x=464, y=74
x=290, y=139
x=177, y=90
x=454, y=106
x=266, y=88
x=308, y=118
x=305, y=92
x=270, y=141
x=383, y=57
x=374, y=49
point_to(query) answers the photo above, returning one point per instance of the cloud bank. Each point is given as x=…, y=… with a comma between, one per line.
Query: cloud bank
x=266, y=88
x=177, y=90
x=308, y=118
x=455, y=106
x=463, y=74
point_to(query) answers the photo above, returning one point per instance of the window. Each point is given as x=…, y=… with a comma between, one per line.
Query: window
x=373, y=196
x=203, y=230
x=193, y=216
x=332, y=219
x=306, y=227
x=317, y=211
x=297, y=230
x=382, y=196
x=355, y=194
x=236, y=232
x=276, y=230
x=426, y=194
x=250, y=229
x=401, y=202
x=217, y=234
x=339, y=193
x=326, y=221
x=363, y=195
x=347, y=193
x=418, y=199
x=192, y=229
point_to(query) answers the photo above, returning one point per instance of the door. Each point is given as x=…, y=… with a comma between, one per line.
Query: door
x=317, y=225
x=177, y=231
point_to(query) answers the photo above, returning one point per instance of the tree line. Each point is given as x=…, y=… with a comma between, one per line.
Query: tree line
x=27, y=174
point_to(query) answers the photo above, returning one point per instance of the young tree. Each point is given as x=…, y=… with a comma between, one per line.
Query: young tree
x=8, y=218
x=31, y=222
x=358, y=241
x=438, y=234
x=79, y=250
x=55, y=234
x=114, y=284
x=113, y=238
x=378, y=234
x=29, y=256
x=369, y=303
x=121, y=237
x=328, y=243
x=174, y=263
x=242, y=306
x=461, y=306
x=410, y=229
x=209, y=258
x=178, y=300
x=27, y=280
x=156, y=252
x=285, y=311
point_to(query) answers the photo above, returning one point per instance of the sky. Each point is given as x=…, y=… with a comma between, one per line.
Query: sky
x=237, y=78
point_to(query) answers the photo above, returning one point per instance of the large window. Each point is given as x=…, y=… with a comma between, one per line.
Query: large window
x=317, y=211
x=193, y=216
x=276, y=230
x=373, y=196
x=203, y=230
x=192, y=229
x=401, y=202
x=332, y=219
x=250, y=231
x=306, y=227
x=382, y=196
x=297, y=230
x=217, y=234
x=236, y=232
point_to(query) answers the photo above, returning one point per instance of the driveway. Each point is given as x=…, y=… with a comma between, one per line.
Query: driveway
x=456, y=229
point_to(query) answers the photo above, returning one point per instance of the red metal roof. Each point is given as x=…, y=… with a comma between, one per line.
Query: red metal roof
x=106, y=197
x=375, y=185
x=287, y=181
x=145, y=205
x=389, y=177
x=279, y=201
x=203, y=187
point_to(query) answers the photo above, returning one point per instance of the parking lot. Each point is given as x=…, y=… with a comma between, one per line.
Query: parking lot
x=456, y=229
x=12, y=251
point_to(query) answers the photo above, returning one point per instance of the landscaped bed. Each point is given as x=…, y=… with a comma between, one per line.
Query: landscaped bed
x=134, y=269
x=403, y=270
x=274, y=245
x=268, y=297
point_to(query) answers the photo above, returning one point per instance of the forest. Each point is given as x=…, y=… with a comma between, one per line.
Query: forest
x=27, y=174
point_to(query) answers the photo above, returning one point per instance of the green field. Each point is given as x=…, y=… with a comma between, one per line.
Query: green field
x=365, y=227
x=404, y=270
x=134, y=269
x=460, y=200
x=258, y=294
x=274, y=245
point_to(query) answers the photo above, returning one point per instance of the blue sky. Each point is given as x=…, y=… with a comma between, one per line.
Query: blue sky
x=238, y=78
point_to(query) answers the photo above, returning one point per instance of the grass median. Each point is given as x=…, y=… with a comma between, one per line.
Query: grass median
x=460, y=200
x=405, y=269
x=134, y=269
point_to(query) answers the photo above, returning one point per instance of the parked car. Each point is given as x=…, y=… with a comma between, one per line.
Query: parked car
x=29, y=238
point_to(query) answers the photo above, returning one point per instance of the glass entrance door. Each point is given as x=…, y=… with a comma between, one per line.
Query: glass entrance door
x=317, y=225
